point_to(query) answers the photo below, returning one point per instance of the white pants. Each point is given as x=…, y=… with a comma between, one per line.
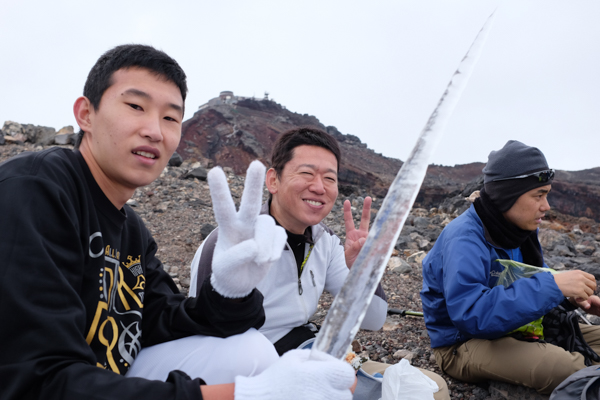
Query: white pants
x=215, y=360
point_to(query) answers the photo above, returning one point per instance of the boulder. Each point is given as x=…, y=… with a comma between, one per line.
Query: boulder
x=65, y=138
x=205, y=230
x=405, y=354
x=585, y=249
x=554, y=263
x=12, y=128
x=577, y=230
x=549, y=238
x=18, y=139
x=66, y=130
x=417, y=257
x=455, y=205
x=42, y=135
x=563, y=250
x=591, y=268
x=432, y=233
x=39, y=134
x=390, y=324
x=501, y=390
x=198, y=173
x=176, y=160
x=399, y=266
x=421, y=222
x=65, y=135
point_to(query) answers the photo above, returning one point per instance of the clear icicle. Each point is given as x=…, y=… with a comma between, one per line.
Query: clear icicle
x=350, y=305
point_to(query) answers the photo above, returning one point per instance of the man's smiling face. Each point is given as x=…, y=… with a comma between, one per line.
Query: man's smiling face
x=306, y=189
x=134, y=131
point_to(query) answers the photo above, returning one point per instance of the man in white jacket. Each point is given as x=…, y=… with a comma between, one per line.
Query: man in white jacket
x=303, y=187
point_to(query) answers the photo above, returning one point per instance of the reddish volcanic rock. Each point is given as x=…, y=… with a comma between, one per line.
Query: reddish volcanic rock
x=235, y=133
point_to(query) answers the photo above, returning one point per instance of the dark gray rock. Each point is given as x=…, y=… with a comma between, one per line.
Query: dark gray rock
x=205, y=230
x=39, y=134
x=554, y=263
x=424, y=244
x=399, y=266
x=500, y=390
x=591, y=268
x=176, y=160
x=580, y=260
x=402, y=242
x=408, y=229
x=198, y=173
x=474, y=185
x=480, y=394
x=438, y=219
x=421, y=222
x=455, y=205
x=563, y=250
x=585, y=249
x=42, y=135
x=249, y=143
x=65, y=138
x=432, y=233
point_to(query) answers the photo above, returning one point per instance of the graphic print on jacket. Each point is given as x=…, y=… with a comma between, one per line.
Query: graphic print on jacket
x=116, y=326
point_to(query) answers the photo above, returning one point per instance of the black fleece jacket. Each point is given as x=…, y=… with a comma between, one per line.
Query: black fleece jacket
x=81, y=290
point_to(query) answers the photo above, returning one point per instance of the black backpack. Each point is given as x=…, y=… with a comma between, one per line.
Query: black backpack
x=562, y=329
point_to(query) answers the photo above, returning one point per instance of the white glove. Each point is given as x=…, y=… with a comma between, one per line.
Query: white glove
x=248, y=243
x=295, y=376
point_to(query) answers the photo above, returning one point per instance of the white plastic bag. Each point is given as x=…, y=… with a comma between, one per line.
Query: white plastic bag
x=403, y=381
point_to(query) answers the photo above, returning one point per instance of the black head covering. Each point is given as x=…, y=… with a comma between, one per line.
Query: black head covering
x=514, y=159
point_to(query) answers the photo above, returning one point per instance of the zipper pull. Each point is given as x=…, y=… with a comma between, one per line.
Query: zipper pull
x=300, y=290
x=312, y=276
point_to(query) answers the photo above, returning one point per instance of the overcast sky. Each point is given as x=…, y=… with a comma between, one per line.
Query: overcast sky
x=373, y=69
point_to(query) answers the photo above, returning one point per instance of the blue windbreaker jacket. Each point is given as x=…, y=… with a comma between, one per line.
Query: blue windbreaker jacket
x=459, y=296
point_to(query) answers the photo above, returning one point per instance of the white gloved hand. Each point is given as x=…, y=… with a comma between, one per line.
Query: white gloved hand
x=248, y=243
x=295, y=376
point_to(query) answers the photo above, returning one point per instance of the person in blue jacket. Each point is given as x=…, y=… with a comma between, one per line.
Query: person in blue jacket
x=468, y=316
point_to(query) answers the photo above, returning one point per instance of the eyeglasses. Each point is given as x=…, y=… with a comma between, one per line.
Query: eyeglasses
x=543, y=176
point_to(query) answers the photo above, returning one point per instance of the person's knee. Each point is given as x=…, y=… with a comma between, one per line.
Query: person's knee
x=553, y=368
x=216, y=360
x=442, y=393
x=253, y=350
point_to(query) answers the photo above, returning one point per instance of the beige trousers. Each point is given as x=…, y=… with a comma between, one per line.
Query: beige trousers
x=540, y=366
x=372, y=367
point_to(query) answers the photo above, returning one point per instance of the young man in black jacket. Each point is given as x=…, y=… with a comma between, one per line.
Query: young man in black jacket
x=81, y=289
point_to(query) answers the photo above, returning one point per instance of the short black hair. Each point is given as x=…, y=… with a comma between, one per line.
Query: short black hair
x=130, y=56
x=283, y=149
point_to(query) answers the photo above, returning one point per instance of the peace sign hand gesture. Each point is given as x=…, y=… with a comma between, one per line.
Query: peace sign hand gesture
x=248, y=243
x=356, y=238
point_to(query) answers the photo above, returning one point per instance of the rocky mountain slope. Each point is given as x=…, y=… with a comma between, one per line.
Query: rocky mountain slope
x=232, y=131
